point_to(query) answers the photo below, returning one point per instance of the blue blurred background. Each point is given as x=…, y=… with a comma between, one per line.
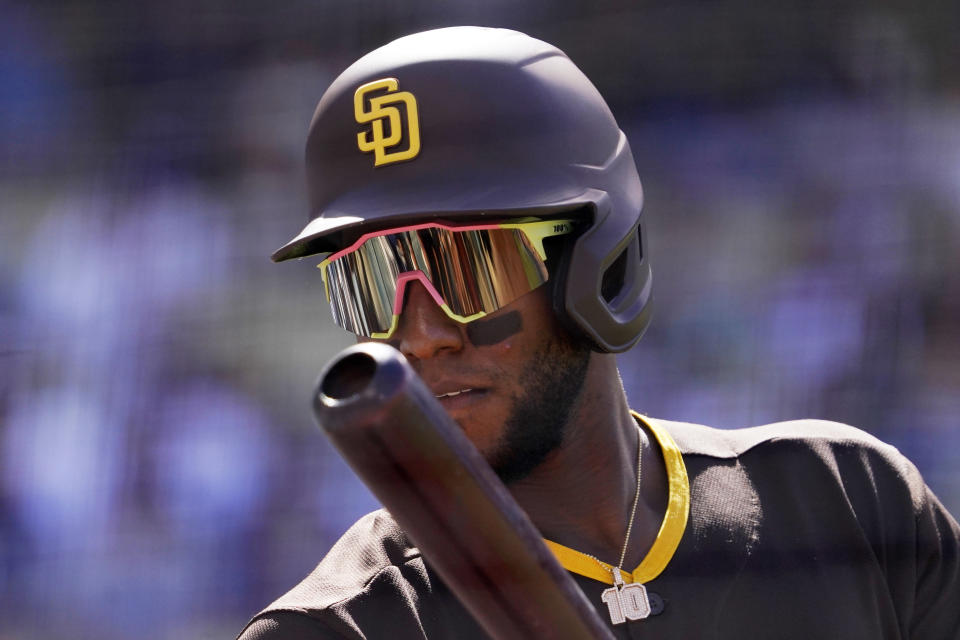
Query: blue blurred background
x=160, y=474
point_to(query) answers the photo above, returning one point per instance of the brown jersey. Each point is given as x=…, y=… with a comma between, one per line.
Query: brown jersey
x=803, y=529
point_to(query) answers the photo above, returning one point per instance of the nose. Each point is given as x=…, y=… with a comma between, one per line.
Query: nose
x=424, y=330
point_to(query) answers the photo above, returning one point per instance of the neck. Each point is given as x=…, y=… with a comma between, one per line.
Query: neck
x=582, y=493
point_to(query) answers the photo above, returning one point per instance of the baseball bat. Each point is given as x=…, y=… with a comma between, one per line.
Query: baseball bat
x=417, y=461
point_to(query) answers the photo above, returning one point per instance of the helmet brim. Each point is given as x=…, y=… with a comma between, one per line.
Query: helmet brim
x=365, y=210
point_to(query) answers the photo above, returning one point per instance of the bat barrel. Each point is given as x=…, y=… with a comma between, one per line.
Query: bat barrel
x=417, y=461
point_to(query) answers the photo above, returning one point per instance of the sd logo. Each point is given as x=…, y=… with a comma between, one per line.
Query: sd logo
x=385, y=108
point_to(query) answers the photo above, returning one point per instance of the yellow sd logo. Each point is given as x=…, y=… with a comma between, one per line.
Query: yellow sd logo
x=385, y=107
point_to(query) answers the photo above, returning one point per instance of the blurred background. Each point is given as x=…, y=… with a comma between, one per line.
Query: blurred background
x=160, y=473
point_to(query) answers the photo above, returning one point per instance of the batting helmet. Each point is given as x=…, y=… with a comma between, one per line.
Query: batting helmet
x=470, y=122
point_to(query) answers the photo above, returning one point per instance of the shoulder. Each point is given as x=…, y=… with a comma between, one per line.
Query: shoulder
x=696, y=439
x=372, y=556
x=827, y=504
x=288, y=625
x=373, y=544
x=813, y=454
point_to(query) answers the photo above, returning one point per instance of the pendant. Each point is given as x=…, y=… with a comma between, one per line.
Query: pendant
x=625, y=601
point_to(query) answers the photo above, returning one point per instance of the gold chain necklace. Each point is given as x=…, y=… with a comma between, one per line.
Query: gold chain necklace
x=627, y=601
x=671, y=530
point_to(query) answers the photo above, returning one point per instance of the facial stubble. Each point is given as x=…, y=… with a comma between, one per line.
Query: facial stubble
x=553, y=382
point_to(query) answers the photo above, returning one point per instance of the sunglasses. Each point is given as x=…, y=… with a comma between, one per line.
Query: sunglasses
x=469, y=270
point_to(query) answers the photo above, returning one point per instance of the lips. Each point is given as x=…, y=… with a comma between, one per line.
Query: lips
x=453, y=394
x=459, y=398
x=457, y=392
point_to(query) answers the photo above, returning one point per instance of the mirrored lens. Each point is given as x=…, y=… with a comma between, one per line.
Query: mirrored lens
x=473, y=271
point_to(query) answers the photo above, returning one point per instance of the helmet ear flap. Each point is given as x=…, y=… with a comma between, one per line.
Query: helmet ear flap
x=606, y=281
x=607, y=305
x=559, y=256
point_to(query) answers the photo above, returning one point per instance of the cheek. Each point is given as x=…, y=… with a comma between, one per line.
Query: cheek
x=495, y=330
x=503, y=352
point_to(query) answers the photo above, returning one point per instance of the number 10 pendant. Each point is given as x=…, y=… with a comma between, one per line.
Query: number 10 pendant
x=626, y=601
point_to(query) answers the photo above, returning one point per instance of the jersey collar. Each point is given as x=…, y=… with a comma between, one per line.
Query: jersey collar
x=671, y=530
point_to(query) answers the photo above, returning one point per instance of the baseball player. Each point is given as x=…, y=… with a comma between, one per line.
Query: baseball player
x=475, y=204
